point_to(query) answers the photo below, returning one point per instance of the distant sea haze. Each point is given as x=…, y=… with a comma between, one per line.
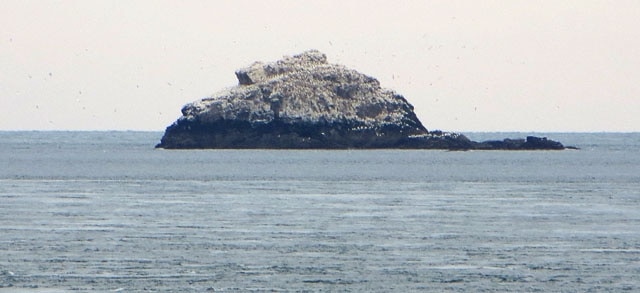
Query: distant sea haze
x=105, y=211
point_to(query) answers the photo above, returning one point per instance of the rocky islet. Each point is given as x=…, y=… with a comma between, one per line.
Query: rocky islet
x=304, y=102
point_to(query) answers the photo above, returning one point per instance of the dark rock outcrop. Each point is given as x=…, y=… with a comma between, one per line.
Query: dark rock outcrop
x=531, y=143
x=305, y=102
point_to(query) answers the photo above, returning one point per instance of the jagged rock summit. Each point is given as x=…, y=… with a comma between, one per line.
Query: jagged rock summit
x=303, y=101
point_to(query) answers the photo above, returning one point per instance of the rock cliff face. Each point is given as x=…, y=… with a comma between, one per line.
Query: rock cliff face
x=305, y=102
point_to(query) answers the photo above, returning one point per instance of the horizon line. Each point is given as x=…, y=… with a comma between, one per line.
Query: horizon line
x=458, y=131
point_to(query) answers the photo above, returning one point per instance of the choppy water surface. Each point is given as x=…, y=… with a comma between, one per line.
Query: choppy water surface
x=104, y=211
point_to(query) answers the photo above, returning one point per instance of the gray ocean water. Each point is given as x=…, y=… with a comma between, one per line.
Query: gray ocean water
x=106, y=212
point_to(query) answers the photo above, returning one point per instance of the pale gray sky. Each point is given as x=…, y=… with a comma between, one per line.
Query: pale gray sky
x=465, y=65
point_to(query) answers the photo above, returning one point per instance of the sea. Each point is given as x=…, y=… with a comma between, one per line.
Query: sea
x=107, y=212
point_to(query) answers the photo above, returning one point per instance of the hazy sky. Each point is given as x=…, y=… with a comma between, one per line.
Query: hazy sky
x=464, y=65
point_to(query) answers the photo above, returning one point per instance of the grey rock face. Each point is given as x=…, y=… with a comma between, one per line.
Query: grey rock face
x=303, y=101
x=305, y=88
